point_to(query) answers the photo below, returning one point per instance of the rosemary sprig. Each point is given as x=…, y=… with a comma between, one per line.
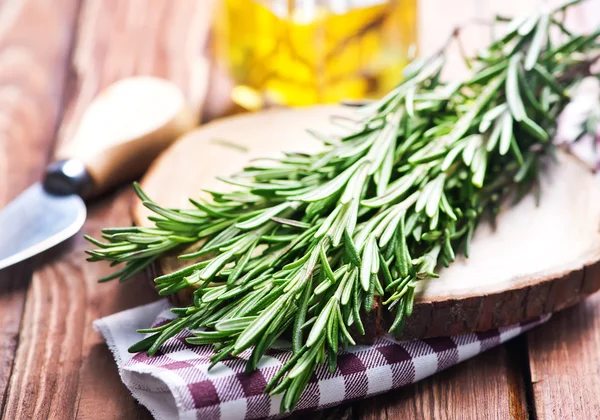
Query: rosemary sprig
x=307, y=243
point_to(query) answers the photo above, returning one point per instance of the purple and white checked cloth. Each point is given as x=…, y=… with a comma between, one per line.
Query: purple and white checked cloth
x=176, y=383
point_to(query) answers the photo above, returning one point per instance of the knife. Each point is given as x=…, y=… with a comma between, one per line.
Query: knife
x=121, y=132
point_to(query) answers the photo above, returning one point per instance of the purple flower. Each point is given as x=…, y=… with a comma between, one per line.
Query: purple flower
x=579, y=123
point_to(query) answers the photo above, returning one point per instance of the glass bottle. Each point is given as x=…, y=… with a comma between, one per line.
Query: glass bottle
x=302, y=52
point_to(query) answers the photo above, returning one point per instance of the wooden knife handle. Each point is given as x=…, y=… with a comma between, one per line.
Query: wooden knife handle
x=125, y=128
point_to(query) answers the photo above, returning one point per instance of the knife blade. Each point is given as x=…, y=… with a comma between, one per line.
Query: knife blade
x=120, y=134
x=37, y=220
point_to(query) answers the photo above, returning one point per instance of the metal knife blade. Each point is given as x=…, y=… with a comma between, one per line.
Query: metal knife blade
x=37, y=220
x=114, y=142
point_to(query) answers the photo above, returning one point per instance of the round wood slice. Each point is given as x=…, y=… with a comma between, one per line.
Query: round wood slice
x=537, y=260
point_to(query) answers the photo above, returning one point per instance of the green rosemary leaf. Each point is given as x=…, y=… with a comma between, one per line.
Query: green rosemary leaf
x=383, y=175
x=212, y=228
x=355, y=185
x=284, y=369
x=171, y=214
x=409, y=100
x=410, y=299
x=348, y=282
x=342, y=326
x=322, y=137
x=209, y=210
x=448, y=247
x=516, y=151
x=513, y=95
x=223, y=354
x=470, y=230
x=414, y=67
x=258, y=325
x=550, y=80
x=139, y=192
x=511, y=31
x=263, y=217
x=330, y=188
x=433, y=199
x=520, y=176
x=169, y=332
x=535, y=130
x=322, y=288
x=318, y=329
x=369, y=297
x=451, y=156
x=290, y=222
x=395, y=190
x=530, y=96
x=356, y=304
x=471, y=144
x=529, y=24
x=488, y=73
x=402, y=253
x=495, y=135
x=143, y=345
x=479, y=167
x=241, y=264
x=399, y=319
x=301, y=317
x=234, y=324
x=367, y=262
x=295, y=390
x=325, y=264
x=331, y=359
x=332, y=328
x=490, y=116
x=326, y=225
x=447, y=208
x=466, y=121
x=128, y=271
x=350, y=250
x=390, y=228
x=537, y=42
x=507, y=134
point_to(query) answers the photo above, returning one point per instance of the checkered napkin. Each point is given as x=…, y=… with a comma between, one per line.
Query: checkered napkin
x=176, y=384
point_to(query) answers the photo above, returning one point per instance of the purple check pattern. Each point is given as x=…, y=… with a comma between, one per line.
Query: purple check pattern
x=226, y=392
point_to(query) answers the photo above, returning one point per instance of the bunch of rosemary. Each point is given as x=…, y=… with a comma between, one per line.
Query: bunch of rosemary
x=306, y=243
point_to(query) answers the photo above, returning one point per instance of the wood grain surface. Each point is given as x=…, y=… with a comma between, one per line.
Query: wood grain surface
x=489, y=386
x=564, y=357
x=33, y=66
x=54, y=365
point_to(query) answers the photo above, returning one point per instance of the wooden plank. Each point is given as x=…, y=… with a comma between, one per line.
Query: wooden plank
x=120, y=38
x=342, y=412
x=35, y=40
x=63, y=368
x=488, y=386
x=564, y=356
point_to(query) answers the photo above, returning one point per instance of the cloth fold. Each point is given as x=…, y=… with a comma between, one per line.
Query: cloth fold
x=176, y=382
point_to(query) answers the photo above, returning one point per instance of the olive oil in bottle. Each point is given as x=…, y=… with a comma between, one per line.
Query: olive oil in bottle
x=301, y=52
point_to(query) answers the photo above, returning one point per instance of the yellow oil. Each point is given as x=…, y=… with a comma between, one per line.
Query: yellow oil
x=302, y=52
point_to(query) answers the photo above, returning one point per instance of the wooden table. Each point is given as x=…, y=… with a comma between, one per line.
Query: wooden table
x=54, y=57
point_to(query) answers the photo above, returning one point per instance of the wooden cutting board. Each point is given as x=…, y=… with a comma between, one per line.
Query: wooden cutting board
x=537, y=260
